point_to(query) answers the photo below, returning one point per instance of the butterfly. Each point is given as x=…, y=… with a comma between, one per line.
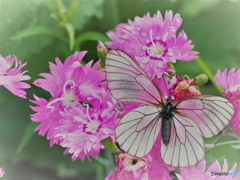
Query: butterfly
x=183, y=124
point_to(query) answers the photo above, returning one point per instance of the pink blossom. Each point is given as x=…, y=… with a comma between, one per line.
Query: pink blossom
x=150, y=167
x=199, y=172
x=2, y=172
x=130, y=168
x=158, y=167
x=152, y=42
x=230, y=81
x=81, y=112
x=11, y=77
x=181, y=87
x=82, y=128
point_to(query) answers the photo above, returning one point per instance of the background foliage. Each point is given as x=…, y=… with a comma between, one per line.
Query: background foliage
x=37, y=31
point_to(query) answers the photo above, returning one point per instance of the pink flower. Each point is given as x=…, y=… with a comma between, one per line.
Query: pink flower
x=82, y=128
x=198, y=172
x=230, y=81
x=152, y=42
x=150, y=167
x=81, y=112
x=181, y=87
x=11, y=77
x=130, y=168
x=2, y=172
x=158, y=167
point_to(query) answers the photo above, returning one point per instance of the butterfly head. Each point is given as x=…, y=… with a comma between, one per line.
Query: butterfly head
x=170, y=100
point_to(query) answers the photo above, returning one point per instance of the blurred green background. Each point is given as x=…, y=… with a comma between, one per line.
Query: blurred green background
x=37, y=31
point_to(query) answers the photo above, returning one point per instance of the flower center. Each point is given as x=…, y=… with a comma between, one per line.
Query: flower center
x=90, y=125
x=68, y=98
x=156, y=49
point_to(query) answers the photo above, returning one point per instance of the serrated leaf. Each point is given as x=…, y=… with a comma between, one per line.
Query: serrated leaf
x=29, y=132
x=36, y=30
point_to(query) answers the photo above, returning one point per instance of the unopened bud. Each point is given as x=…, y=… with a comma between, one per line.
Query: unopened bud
x=102, y=51
x=201, y=79
x=172, y=67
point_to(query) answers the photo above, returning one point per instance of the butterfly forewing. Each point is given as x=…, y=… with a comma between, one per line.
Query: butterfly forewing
x=128, y=82
x=186, y=146
x=137, y=131
x=210, y=113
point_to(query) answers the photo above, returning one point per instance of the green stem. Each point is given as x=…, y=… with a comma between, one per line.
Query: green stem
x=209, y=73
x=228, y=142
x=210, y=146
x=110, y=145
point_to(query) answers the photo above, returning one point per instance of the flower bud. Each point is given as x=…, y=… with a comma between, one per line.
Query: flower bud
x=172, y=67
x=102, y=51
x=201, y=79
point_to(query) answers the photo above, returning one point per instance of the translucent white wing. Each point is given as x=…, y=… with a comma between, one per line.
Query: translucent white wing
x=210, y=113
x=128, y=82
x=137, y=130
x=186, y=146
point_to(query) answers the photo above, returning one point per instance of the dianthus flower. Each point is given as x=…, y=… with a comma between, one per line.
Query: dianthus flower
x=82, y=128
x=11, y=77
x=152, y=42
x=130, y=168
x=230, y=81
x=149, y=167
x=213, y=172
x=158, y=168
x=181, y=87
x=79, y=108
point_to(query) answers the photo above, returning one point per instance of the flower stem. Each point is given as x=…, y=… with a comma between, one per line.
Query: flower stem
x=110, y=145
x=209, y=73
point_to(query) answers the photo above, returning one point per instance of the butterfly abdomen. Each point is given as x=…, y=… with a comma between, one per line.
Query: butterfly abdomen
x=166, y=131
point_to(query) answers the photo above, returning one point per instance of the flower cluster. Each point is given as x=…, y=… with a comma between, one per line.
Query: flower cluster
x=152, y=42
x=11, y=75
x=80, y=112
x=230, y=81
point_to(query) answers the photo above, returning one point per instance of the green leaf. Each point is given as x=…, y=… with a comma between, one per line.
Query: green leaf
x=29, y=132
x=61, y=10
x=72, y=9
x=91, y=35
x=36, y=30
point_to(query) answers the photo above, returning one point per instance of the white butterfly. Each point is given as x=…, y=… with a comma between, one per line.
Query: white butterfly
x=183, y=124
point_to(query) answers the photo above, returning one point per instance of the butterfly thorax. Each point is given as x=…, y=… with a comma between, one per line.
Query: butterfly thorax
x=166, y=121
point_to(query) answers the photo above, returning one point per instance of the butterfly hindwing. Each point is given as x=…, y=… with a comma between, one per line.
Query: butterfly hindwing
x=137, y=131
x=210, y=113
x=186, y=146
x=128, y=82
